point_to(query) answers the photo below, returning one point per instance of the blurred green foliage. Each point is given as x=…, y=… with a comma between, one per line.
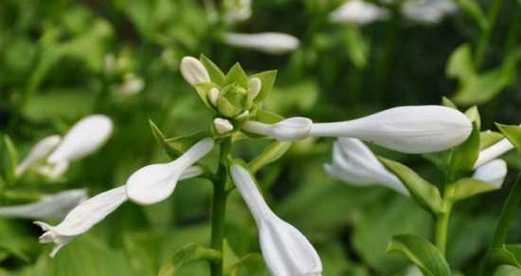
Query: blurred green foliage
x=61, y=60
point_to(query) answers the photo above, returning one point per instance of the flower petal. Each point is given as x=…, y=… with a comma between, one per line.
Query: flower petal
x=493, y=152
x=39, y=152
x=493, y=172
x=154, y=183
x=272, y=43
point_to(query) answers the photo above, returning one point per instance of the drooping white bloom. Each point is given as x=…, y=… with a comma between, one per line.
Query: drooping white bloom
x=289, y=129
x=54, y=206
x=237, y=10
x=358, y=12
x=222, y=125
x=154, y=183
x=408, y=129
x=38, y=153
x=428, y=11
x=355, y=163
x=84, y=138
x=193, y=71
x=493, y=172
x=493, y=152
x=285, y=250
x=271, y=43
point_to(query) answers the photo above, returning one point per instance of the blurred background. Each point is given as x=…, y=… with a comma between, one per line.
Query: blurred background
x=61, y=60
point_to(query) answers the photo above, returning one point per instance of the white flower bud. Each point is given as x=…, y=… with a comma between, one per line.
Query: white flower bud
x=38, y=153
x=213, y=96
x=288, y=129
x=193, y=71
x=154, y=183
x=285, y=250
x=493, y=152
x=493, y=172
x=254, y=88
x=428, y=11
x=355, y=163
x=358, y=12
x=237, y=10
x=222, y=125
x=131, y=85
x=408, y=129
x=272, y=43
x=54, y=206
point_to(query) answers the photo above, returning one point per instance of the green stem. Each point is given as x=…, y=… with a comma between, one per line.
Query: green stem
x=218, y=212
x=484, y=39
x=442, y=227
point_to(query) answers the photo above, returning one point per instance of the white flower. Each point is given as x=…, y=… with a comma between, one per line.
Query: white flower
x=237, y=10
x=493, y=152
x=271, y=43
x=193, y=71
x=131, y=85
x=222, y=125
x=285, y=250
x=289, y=129
x=254, y=87
x=358, y=12
x=82, y=218
x=355, y=163
x=54, y=206
x=428, y=11
x=87, y=214
x=213, y=96
x=408, y=129
x=38, y=153
x=493, y=172
x=154, y=183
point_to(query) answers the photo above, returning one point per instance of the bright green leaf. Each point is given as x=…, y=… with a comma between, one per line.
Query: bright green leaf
x=187, y=254
x=512, y=133
x=468, y=187
x=216, y=75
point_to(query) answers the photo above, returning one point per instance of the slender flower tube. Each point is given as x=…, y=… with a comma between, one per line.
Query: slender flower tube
x=193, y=71
x=87, y=214
x=358, y=12
x=493, y=172
x=271, y=43
x=38, y=153
x=54, y=206
x=84, y=138
x=355, y=163
x=289, y=129
x=285, y=250
x=156, y=182
x=408, y=129
x=493, y=152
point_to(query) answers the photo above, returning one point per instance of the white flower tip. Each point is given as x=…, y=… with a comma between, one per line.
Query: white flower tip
x=493, y=172
x=222, y=125
x=213, y=96
x=272, y=43
x=193, y=71
x=39, y=152
x=254, y=87
x=292, y=128
x=357, y=12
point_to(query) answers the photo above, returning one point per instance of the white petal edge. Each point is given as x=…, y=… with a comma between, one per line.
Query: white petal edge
x=493, y=172
x=493, y=152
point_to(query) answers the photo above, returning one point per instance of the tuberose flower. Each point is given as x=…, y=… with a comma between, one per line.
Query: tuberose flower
x=269, y=42
x=358, y=12
x=54, y=206
x=408, y=129
x=285, y=250
x=156, y=182
x=355, y=163
x=87, y=214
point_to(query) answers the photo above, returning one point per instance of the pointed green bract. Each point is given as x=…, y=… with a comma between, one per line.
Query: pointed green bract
x=236, y=75
x=216, y=75
x=488, y=138
x=468, y=187
x=464, y=156
x=512, y=133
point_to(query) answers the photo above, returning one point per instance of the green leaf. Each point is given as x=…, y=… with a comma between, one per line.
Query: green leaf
x=488, y=138
x=426, y=194
x=464, y=156
x=268, y=81
x=448, y=103
x=267, y=117
x=506, y=254
x=270, y=154
x=460, y=63
x=422, y=253
x=507, y=270
x=468, y=187
x=472, y=9
x=357, y=47
x=247, y=261
x=512, y=133
x=237, y=75
x=9, y=160
x=187, y=254
x=216, y=75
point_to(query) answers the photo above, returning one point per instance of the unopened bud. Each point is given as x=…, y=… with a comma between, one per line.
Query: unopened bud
x=222, y=125
x=213, y=96
x=254, y=88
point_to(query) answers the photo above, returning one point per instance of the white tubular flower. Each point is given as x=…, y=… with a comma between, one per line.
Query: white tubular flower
x=193, y=71
x=84, y=138
x=285, y=250
x=271, y=43
x=222, y=125
x=38, y=153
x=428, y=11
x=493, y=152
x=355, y=163
x=154, y=183
x=54, y=206
x=82, y=218
x=493, y=172
x=358, y=12
x=288, y=129
x=408, y=129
